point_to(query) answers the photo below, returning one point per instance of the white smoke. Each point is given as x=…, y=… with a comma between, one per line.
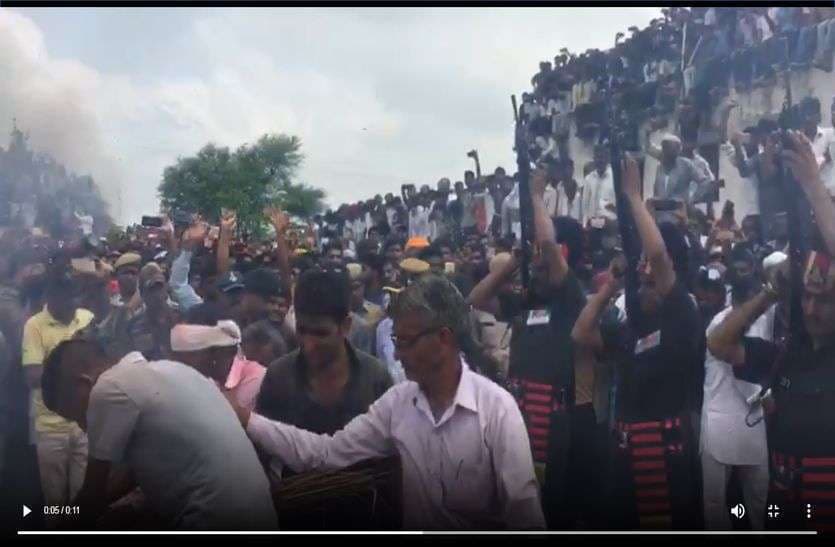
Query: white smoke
x=50, y=99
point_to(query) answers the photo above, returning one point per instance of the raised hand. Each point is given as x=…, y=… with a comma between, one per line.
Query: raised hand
x=631, y=180
x=167, y=226
x=800, y=158
x=279, y=219
x=196, y=233
x=228, y=222
x=617, y=270
x=539, y=181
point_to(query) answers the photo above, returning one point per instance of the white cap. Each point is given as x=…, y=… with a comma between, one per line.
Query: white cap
x=669, y=137
x=773, y=260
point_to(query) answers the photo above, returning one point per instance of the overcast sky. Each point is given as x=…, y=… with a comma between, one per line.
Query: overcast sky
x=379, y=97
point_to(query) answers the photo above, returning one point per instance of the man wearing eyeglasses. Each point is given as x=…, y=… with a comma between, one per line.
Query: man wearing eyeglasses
x=461, y=439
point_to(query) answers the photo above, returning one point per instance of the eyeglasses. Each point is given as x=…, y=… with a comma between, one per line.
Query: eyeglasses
x=402, y=343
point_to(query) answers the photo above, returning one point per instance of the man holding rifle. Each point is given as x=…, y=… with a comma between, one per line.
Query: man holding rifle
x=802, y=436
x=653, y=483
x=541, y=369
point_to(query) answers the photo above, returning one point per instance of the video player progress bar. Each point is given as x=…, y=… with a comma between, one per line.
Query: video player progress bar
x=408, y=533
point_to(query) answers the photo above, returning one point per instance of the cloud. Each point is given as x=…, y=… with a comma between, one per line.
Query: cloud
x=378, y=96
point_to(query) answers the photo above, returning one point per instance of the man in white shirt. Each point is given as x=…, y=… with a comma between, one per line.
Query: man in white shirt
x=740, y=158
x=599, y=188
x=569, y=194
x=822, y=138
x=550, y=195
x=172, y=428
x=419, y=210
x=727, y=442
x=733, y=433
x=462, y=442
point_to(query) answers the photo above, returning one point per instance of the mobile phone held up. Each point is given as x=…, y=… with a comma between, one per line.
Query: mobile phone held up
x=152, y=222
x=666, y=204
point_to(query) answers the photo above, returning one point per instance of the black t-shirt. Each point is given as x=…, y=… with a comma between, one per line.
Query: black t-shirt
x=540, y=346
x=804, y=394
x=285, y=393
x=658, y=369
x=455, y=210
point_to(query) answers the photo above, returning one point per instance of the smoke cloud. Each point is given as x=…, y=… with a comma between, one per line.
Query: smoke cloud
x=50, y=101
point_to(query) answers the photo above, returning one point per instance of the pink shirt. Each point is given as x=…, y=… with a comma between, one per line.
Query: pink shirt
x=244, y=381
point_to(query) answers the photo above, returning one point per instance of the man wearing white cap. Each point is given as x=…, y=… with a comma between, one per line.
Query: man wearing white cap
x=676, y=174
x=170, y=425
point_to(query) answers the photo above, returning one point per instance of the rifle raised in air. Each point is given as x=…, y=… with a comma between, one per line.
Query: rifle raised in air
x=523, y=166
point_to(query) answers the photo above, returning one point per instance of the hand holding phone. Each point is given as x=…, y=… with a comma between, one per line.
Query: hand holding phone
x=153, y=222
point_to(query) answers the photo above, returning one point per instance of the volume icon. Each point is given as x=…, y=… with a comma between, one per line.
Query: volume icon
x=738, y=510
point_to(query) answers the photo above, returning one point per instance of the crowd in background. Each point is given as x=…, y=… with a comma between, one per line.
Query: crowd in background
x=636, y=354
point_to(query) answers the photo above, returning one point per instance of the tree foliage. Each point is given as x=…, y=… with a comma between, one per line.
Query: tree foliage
x=246, y=180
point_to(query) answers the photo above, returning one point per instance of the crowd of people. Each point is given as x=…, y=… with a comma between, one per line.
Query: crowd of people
x=662, y=362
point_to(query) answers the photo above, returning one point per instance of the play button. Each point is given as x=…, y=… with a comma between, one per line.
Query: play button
x=26, y=510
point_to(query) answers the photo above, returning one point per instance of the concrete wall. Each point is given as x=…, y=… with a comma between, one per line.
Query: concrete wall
x=753, y=105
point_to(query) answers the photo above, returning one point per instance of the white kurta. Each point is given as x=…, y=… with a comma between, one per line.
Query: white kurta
x=724, y=432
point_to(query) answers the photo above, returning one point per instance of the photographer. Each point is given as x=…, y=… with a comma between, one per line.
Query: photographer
x=755, y=157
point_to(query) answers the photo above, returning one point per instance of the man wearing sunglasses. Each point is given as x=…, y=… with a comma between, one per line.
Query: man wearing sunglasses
x=461, y=439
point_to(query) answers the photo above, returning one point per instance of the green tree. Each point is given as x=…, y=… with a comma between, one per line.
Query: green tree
x=246, y=180
x=301, y=200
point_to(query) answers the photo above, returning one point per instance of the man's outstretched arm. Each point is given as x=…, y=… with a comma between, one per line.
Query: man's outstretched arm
x=366, y=436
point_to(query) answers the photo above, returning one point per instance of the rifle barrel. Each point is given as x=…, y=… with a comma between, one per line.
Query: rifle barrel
x=525, y=208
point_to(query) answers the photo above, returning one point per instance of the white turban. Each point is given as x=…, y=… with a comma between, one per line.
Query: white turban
x=196, y=337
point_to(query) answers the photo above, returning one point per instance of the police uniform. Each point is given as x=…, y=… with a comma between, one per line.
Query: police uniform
x=654, y=483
